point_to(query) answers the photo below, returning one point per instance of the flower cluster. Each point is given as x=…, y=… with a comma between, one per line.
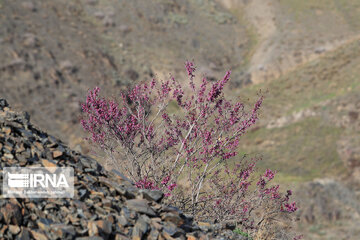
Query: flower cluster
x=191, y=153
x=146, y=184
x=289, y=207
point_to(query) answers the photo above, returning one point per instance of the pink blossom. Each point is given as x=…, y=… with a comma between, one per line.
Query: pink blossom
x=269, y=174
x=290, y=207
x=172, y=186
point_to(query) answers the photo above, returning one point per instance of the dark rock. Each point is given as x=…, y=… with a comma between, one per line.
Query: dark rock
x=154, y=234
x=83, y=193
x=140, y=228
x=171, y=209
x=26, y=133
x=12, y=214
x=24, y=235
x=172, y=230
x=62, y=230
x=104, y=226
x=229, y=225
x=85, y=162
x=44, y=224
x=3, y=103
x=156, y=195
x=141, y=206
x=174, y=218
x=122, y=220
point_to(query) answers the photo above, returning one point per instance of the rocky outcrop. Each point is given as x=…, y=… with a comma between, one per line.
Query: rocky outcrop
x=328, y=207
x=106, y=205
x=328, y=200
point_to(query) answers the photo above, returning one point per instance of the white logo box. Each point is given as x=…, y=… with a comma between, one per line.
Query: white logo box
x=38, y=182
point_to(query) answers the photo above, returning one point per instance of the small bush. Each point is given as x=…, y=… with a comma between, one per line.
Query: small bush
x=191, y=153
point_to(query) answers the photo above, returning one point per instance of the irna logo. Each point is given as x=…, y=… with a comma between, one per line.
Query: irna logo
x=38, y=182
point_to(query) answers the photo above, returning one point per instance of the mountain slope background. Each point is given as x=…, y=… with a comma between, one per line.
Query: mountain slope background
x=304, y=54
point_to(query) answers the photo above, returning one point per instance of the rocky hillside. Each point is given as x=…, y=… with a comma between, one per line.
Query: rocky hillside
x=105, y=206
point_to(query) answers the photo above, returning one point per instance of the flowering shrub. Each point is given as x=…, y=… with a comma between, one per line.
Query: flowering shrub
x=189, y=153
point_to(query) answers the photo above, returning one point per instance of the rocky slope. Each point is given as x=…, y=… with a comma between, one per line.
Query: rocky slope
x=106, y=205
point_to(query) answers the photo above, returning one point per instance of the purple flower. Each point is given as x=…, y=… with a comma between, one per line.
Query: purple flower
x=269, y=174
x=290, y=207
x=172, y=186
x=190, y=68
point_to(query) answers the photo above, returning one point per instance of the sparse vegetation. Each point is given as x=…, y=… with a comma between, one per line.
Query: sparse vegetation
x=238, y=231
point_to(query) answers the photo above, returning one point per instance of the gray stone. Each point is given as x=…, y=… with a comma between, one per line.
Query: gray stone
x=174, y=218
x=156, y=195
x=104, y=226
x=12, y=214
x=44, y=223
x=141, y=206
x=24, y=235
x=140, y=228
x=3, y=103
x=122, y=220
